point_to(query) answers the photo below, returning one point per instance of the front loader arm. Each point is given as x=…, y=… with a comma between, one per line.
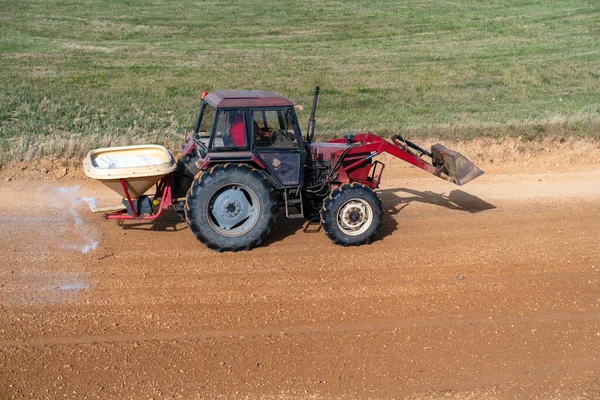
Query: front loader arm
x=445, y=163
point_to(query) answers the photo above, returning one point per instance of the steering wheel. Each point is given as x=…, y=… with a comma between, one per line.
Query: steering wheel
x=279, y=135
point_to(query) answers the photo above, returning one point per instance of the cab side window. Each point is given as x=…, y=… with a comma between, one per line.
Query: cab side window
x=230, y=130
x=273, y=128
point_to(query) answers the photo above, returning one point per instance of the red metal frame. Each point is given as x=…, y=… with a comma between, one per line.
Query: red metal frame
x=163, y=191
x=356, y=162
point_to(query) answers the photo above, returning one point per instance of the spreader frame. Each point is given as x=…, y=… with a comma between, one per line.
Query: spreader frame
x=163, y=191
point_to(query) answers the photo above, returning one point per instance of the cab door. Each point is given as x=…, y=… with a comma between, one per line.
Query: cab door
x=278, y=143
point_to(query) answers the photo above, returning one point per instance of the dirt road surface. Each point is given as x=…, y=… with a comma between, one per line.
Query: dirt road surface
x=491, y=291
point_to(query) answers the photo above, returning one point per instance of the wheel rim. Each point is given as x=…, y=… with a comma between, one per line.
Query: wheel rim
x=233, y=210
x=355, y=217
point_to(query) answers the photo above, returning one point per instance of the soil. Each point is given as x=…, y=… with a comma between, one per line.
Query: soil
x=487, y=291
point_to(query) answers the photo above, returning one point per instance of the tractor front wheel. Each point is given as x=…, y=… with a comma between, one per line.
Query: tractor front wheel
x=231, y=207
x=351, y=215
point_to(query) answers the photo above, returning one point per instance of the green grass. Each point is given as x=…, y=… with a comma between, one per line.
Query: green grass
x=85, y=73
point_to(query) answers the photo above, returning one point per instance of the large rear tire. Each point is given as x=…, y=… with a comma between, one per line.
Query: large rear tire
x=231, y=207
x=351, y=215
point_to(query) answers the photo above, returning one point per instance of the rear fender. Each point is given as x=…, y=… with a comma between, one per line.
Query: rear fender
x=184, y=174
x=211, y=160
x=208, y=162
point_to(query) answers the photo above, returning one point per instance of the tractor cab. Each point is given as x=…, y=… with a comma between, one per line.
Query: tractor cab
x=255, y=127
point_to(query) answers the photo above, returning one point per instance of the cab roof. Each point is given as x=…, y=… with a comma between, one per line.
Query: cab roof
x=246, y=98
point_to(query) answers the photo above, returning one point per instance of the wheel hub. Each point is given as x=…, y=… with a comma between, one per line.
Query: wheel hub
x=233, y=210
x=355, y=217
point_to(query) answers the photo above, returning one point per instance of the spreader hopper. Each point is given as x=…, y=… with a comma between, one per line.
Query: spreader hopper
x=137, y=168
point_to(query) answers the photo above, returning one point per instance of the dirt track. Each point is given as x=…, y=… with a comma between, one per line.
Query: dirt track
x=487, y=291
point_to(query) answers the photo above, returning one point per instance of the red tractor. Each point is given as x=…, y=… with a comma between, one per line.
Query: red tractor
x=247, y=159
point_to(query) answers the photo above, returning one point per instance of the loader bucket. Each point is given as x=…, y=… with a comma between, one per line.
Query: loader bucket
x=141, y=167
x=453, y=166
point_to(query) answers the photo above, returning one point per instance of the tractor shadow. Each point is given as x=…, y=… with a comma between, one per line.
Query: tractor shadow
x=457, y=200
x=169, y=221
x=397, y=199
x=394, y=201
x=285, y=227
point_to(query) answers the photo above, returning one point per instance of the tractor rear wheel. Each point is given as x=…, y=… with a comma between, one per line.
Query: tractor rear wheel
x=351, y=214
x=231, y=207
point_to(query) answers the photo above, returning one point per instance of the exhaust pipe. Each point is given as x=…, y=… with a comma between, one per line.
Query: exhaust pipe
x=310, y=133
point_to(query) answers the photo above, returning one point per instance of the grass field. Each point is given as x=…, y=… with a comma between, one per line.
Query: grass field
x=86, y=73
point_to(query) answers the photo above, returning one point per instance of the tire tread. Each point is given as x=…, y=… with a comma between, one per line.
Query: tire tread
x=222, y=172
x=335, y=200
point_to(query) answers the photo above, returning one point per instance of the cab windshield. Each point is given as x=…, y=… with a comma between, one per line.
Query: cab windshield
x=208, y=119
